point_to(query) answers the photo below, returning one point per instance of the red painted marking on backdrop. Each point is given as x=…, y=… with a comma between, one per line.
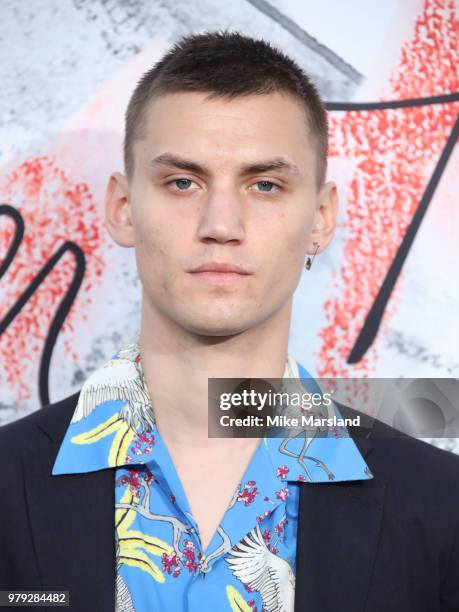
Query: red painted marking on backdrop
x=395, y=152
x=54, y=210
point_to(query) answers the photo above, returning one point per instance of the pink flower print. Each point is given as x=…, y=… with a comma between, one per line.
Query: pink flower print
x=147, y=440
x=189, y=544
x=247, y=588
x=190, y=562
x=170, y=564
x=250, y=483
x=172, y=498
x=147, y=476
x=274, y=550
x=191, y=565
x=282, y=471
x=283, y=494
x=260, y=517
x=134, y=484
x=247, y=495
x=279, y=528
x=143, y=444
x=301, y=478
x=266, y=536
x=130, y=479
x=188, y=552
x=336, y=431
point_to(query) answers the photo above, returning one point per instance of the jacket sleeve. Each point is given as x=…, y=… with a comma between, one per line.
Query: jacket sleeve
x=450, y=587
x=18, y=566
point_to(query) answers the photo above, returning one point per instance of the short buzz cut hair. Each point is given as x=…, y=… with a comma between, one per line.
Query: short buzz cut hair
x=227, y=65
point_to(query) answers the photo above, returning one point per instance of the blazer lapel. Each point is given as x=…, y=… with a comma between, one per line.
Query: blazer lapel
x=338, y=529
x=72, y=522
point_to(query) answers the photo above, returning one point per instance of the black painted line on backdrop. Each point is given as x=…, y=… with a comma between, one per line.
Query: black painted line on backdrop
x=306, y=39
x=64, y=306
x=392, y=104
x=376, y=312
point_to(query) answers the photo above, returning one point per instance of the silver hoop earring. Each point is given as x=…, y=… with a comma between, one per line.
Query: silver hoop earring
x=309, y=260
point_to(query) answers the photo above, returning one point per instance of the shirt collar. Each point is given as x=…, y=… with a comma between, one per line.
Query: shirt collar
x=113, y=425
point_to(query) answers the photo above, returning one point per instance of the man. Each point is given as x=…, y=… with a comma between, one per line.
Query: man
x=117, y=494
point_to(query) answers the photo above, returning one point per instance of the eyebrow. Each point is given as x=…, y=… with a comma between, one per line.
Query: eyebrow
x=277, y=163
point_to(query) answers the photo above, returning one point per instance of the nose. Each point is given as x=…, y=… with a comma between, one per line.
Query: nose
x=222, y=216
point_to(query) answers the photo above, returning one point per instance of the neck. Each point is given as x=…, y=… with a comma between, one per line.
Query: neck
x=177, y=364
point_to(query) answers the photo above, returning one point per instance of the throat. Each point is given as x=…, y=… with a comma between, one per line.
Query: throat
x=210, y=481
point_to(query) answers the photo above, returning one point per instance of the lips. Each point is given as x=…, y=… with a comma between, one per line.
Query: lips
x=220, y=273
x=220, y=267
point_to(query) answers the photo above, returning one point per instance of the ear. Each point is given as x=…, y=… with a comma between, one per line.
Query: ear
x=325, y=218
x=118, y=219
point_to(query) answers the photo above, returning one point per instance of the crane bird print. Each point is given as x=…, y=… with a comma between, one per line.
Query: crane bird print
x=119, y=379
x=123, y=598
x=257, y=567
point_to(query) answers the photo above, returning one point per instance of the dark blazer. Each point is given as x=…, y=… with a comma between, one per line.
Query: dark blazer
x=387, y=544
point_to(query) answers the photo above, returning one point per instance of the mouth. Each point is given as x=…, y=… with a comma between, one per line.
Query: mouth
x=217, y=277
x=219, y=273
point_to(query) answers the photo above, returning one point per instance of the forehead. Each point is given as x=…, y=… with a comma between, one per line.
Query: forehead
x=223, y=130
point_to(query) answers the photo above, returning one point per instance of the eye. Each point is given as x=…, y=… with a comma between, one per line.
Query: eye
x=182, y=184
x=267, y=186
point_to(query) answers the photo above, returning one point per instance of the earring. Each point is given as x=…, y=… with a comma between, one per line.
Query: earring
x=309, y=261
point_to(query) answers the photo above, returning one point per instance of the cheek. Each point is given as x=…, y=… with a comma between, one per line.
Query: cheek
x=286, y=254
x=152, y=231
x=149, y=250
x=147, y=245
x=297, y=242
x=288, y=243
x=157, y=257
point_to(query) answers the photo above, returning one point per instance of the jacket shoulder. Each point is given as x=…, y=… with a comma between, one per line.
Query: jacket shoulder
x=408, y=463
x=416, y=452
x=418, y=458
x=50, y=421
x=423, y=479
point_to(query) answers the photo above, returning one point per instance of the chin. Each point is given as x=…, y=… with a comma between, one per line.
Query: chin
x=216, y=327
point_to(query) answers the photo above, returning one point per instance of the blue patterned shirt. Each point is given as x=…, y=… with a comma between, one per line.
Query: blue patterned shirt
x=249, y=564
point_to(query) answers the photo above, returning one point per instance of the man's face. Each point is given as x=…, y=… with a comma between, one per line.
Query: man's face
x=194, y=199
